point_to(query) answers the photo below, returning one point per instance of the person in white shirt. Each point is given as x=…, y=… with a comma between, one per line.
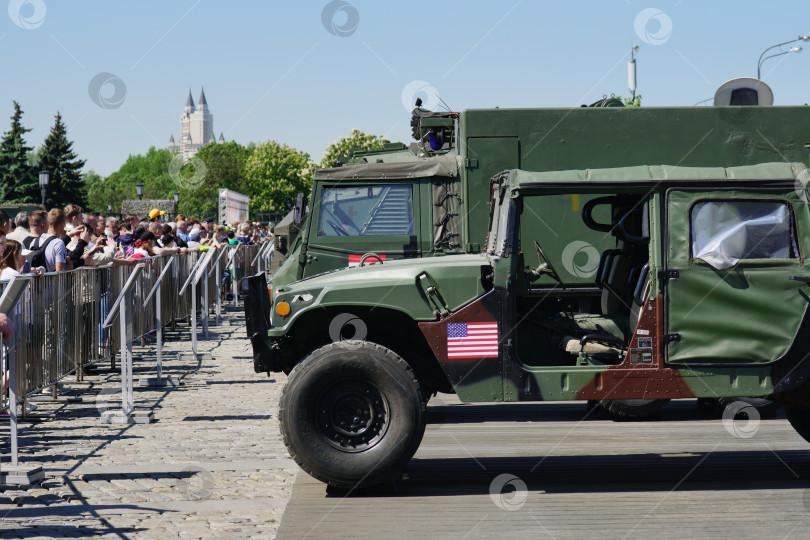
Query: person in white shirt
x=12, y=260
x=56, y=252
x=111, y=230
x=6, y=325
x=20, y=231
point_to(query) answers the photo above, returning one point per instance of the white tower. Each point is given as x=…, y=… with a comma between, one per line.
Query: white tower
x=196, y=128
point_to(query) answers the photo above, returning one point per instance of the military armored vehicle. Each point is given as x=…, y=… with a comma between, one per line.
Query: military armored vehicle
x=448, y=203
x=431, y=198
x=703, y=294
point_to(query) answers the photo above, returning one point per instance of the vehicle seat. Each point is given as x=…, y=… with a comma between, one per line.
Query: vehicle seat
x=622, y=276
x=616, y=325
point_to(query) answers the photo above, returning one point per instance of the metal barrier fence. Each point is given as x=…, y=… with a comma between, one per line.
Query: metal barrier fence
x=245, y=262
x=58, y=323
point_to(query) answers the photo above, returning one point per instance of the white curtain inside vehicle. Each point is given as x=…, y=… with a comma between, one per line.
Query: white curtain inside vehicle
x=725, y=232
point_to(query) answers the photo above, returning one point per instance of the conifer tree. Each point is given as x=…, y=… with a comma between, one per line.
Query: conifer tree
x=18, y=178
x=58, y=158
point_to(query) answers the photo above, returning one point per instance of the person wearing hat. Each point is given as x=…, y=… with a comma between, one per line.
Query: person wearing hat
x=145, y=247
x=154, y=215
x=210, y=223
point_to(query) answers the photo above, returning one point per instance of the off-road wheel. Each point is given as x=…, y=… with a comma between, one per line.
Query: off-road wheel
x=352, y=414
x=799, y=418
x=633, y=408
x=765, y=407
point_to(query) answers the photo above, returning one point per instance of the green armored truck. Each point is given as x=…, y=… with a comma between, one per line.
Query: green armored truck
x=433, y=198
x=703, y=293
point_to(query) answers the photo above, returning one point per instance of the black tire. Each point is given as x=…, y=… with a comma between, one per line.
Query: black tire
x=799, y=418
x=352, y=414
x=633, y=408
x=765, y=407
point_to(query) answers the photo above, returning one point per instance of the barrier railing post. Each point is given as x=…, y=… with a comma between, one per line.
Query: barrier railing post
x=127, y=414
x=194, y=316
x=268, y=256
x=259, y=257
x=222, y=252
x=234, y=279
x=204, y=310
x=157, y=290
x=192, y=280
x=15, y=474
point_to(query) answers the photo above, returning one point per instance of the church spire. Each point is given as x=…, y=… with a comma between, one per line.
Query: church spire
x=201, y=102
x=189, y=102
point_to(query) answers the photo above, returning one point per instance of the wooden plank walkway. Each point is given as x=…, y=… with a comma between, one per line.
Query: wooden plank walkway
x=683, y=475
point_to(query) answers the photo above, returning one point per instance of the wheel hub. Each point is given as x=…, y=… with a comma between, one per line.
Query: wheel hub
x=353, y=416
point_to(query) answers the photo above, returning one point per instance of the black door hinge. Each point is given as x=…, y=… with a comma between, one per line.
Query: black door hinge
x=671, y=338
x=666, y=275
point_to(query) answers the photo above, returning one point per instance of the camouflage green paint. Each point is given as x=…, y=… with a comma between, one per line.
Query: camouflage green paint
x=492, y=140
x=397, y=285
x=589, y=138
x=461, y=289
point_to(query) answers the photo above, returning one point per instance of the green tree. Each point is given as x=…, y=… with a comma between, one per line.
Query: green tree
x=151, y=168
x=224, y=168
x=357, y=140
x=18, y=177
x=632, y=102
x=97, y=192
x=274, y=174
x=57, y=157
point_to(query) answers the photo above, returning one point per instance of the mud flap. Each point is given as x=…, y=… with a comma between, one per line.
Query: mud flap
x=257, y=319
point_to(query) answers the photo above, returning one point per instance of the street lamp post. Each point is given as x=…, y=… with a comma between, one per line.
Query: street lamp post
x=762, y=56
x=139, y=190
x=44, y=178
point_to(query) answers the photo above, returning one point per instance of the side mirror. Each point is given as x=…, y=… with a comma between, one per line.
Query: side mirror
x=298, y=216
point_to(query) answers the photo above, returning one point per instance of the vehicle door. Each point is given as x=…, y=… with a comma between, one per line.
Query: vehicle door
x=485, y=157
x=352, y=219
x=736, y=272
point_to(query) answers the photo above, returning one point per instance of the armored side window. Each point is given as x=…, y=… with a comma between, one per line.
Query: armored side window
x=366, y=211
x=725, y=232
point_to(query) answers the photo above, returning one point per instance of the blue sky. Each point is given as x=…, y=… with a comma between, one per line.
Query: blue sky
x=273, y=70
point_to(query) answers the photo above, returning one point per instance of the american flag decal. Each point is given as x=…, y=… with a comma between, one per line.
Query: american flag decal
x=472, y=340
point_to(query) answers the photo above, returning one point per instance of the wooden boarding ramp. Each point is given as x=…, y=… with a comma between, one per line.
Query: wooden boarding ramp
x=683, y=475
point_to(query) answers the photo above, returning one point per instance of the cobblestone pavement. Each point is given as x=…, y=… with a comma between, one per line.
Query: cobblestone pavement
x=212, y=465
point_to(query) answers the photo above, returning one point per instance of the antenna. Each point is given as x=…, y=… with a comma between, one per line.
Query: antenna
x=446, y=106
x=631, y=71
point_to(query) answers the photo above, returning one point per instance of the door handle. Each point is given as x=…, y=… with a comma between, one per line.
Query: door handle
x=804, y=280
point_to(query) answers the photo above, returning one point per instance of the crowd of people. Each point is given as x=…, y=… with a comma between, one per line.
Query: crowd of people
x=65, y=239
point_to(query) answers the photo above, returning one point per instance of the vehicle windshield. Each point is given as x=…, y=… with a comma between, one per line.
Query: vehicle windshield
x=366, y=211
